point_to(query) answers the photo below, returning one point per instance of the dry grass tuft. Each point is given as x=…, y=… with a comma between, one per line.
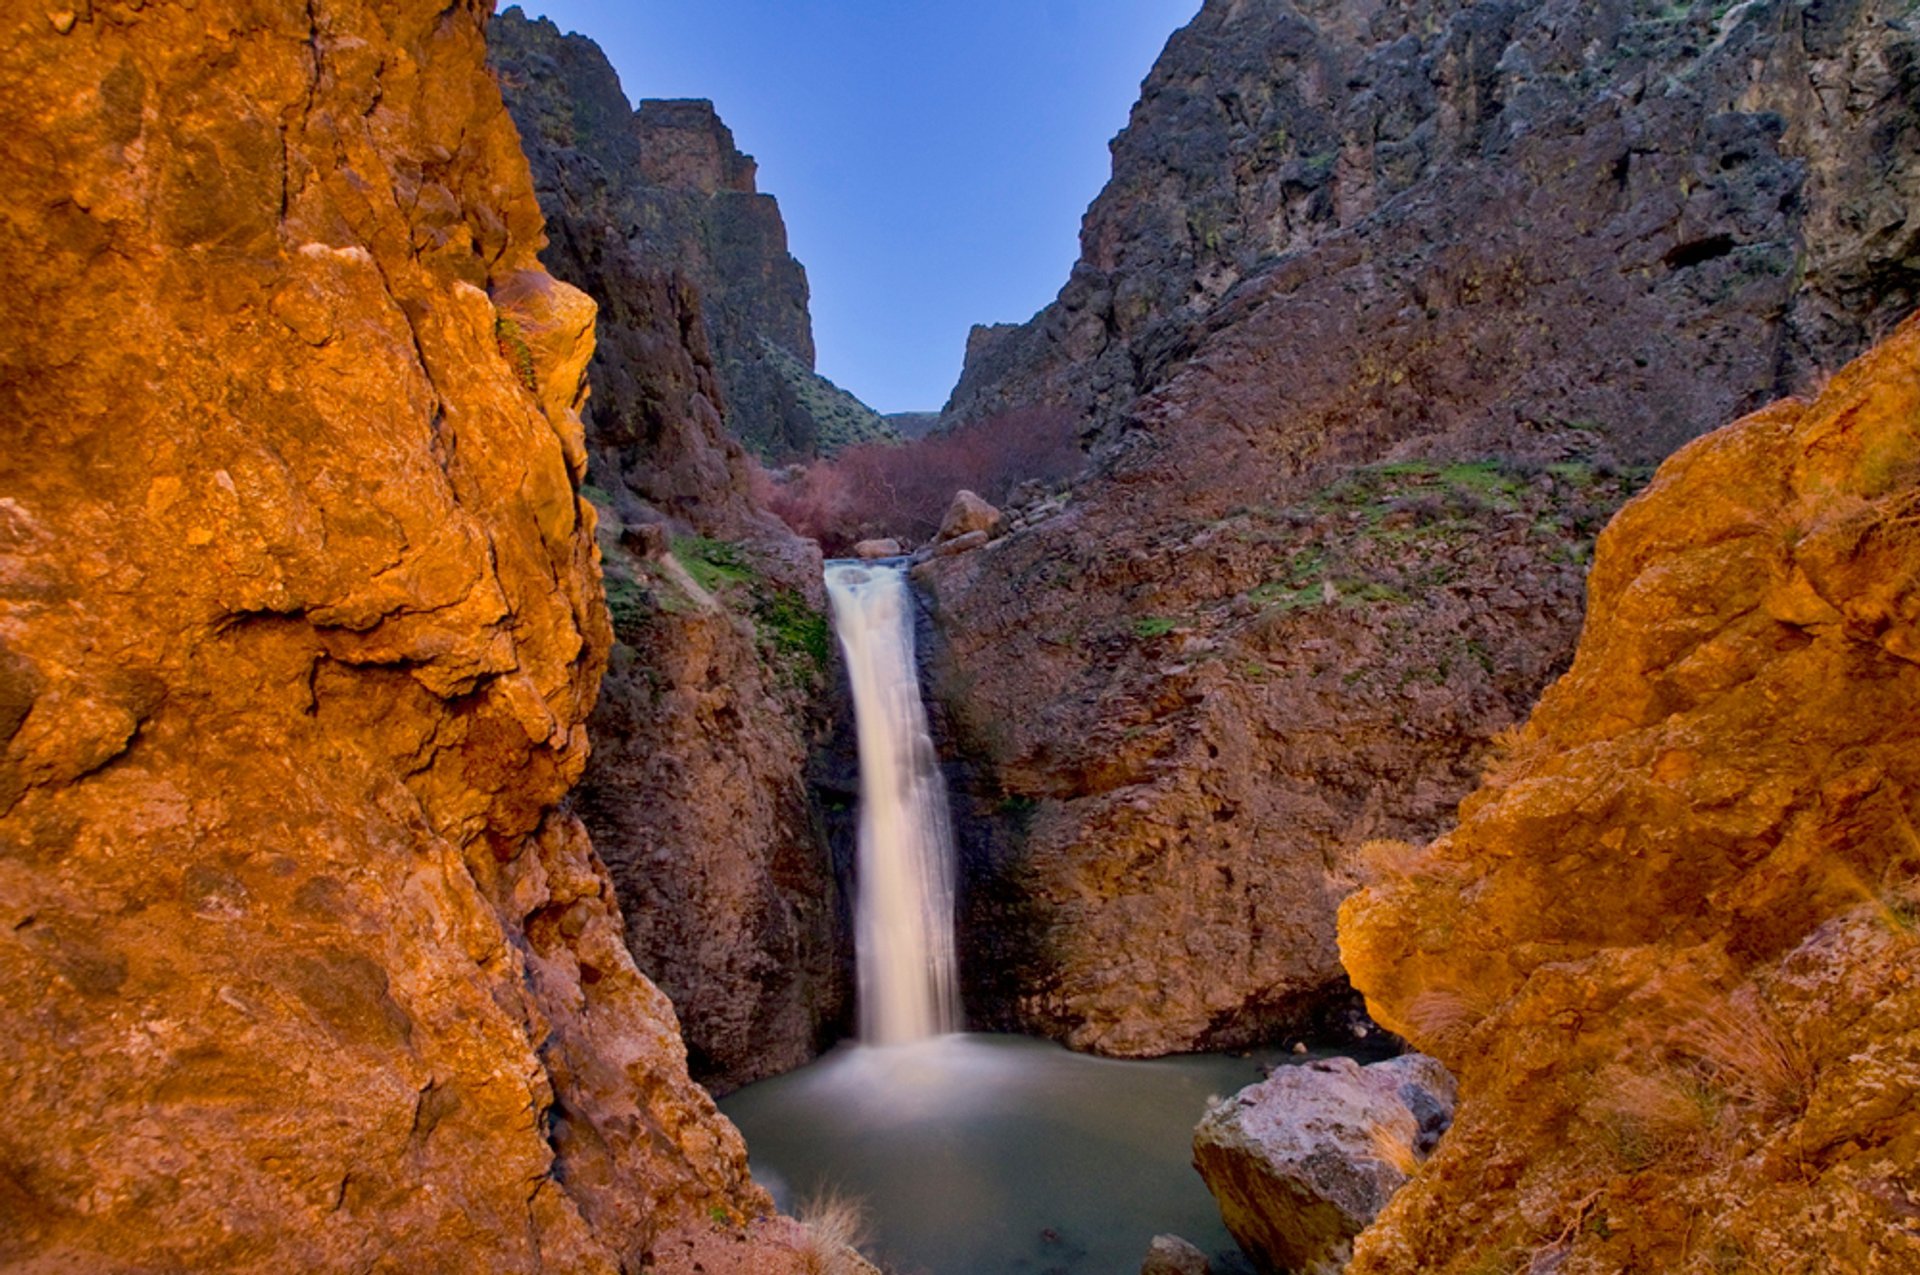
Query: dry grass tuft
x=1504, y=753
x=836, y=1227
x=1745, y=1050
x=1647, y=1115
x=1384, y=860
x=1441, y=1020
x=1392, y=1145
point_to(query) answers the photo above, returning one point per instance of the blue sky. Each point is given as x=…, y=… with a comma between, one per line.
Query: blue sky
x=932, y=157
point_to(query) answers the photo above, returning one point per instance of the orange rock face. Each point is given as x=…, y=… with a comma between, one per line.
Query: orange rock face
x=303, y=967
x=1673, y=948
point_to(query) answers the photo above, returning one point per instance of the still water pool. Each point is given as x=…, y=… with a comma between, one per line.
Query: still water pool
x=998, y=1155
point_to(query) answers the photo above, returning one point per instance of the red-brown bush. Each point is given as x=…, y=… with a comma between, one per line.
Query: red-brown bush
x=903, y=489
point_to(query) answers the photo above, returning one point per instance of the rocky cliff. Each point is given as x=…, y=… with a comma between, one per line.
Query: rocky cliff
x=1427, y=206
x=695, y=795
x=683, y=198
x=1385, y=310
x=305, y=964
x=1671, y=948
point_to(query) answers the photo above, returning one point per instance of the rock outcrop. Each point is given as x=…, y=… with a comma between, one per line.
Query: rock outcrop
x=681, y=199
x=1518, y=249
x=695, y=794
x=1671, y=948
x=1405, y=200
x=1301, y=1162
x=304, y=963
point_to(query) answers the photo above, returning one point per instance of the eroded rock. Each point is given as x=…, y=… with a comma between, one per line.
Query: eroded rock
x=695, y=793
x=688, y=206
x=1344, y=243
x=1670, y=948
x=1301, y=1162
x=304, y=964
x=877, y=549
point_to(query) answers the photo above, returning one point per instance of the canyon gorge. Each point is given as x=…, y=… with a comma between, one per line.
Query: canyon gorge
x=1484, y=619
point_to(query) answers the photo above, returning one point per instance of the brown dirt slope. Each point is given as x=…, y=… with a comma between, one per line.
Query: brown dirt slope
x=1673, y=948
x=303, y=965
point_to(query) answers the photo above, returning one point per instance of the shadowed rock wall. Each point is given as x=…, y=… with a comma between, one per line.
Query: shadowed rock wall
x=678, y=196
x=696, y=792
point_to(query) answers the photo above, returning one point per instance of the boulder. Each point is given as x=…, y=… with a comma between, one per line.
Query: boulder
x=959, y=544
x=967, y=514
x=1171, y=1255
x=888, y=548
x=1302, y=1161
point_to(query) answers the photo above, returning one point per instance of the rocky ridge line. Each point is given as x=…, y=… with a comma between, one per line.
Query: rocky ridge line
x=683, y=198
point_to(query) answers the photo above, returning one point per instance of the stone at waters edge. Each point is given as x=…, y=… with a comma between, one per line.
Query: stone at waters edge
x=1171, y=1255
x=1301, y=1162
x=888, y=548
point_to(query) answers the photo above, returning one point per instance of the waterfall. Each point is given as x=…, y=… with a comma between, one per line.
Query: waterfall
x=903, y=897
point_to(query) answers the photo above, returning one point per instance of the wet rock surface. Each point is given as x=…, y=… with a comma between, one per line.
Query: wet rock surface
x=1547, y=242
x=1304, y=1160
x=695, y=793
x=1670, y=949
x=306, y=964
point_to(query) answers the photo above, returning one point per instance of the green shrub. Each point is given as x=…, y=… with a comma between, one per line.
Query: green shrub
x=514, y=349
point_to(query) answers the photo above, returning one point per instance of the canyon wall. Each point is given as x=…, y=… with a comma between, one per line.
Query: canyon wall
x=696, y=793
x=1384, y=312
x=1671, y=948
x=305, y=963
x=679, y=191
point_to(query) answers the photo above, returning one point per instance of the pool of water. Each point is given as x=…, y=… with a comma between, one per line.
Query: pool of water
x=984, y=1155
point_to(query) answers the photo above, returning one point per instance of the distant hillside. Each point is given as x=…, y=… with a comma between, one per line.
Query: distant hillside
x=912, y=425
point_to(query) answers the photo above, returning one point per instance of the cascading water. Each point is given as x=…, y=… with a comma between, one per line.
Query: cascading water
x=976, y=1154
x=909, y=986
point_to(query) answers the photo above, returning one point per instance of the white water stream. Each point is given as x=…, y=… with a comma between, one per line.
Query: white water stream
x=909, y=986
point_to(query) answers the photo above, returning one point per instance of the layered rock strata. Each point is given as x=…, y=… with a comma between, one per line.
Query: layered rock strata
x=305, y=965
x=1671, y=948
x=681, y=199
x=1541, y=243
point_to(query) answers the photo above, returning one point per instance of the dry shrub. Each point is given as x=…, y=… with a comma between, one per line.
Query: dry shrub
x=1744, y=1049
x=903, y=489
x=836, y=1227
